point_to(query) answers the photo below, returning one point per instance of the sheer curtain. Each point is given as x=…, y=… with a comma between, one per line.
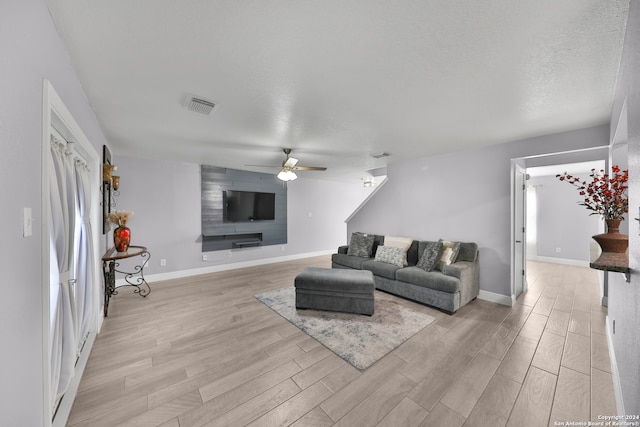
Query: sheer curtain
x=84, y=288
x=72, y=264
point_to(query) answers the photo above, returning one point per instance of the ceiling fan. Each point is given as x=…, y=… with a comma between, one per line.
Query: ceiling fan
x=290, y=164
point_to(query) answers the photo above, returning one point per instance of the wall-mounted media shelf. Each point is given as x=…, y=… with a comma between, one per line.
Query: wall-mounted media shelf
x=219, y=242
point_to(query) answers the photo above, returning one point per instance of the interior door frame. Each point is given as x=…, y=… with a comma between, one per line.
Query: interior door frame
x=520, y=209
x=516, y=165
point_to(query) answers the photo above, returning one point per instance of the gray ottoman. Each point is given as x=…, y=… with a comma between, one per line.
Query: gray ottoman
x=349, y=291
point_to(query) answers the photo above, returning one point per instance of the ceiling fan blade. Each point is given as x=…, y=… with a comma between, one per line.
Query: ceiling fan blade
x=309, y=168
x=290, y=162
x=265, y=166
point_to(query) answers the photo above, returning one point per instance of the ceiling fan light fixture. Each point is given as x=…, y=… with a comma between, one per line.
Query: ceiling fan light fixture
x=286, y=175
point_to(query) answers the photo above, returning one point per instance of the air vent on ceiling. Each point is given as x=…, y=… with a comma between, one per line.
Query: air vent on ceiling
x=380, y=155
x=200, y=105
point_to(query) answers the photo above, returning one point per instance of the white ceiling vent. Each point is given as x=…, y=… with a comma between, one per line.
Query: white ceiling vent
x=200, y=105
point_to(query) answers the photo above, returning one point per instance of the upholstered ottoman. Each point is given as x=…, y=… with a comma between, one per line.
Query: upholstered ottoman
x=349, y=291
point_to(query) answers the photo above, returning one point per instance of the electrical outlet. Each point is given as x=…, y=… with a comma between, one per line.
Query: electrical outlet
x=558, y=250
x=229, y=254
x=163, y=262
x=204, y=257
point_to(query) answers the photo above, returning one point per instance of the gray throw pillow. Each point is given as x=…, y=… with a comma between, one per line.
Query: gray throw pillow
x=430, y=256
x=391, y=255
x=361, y=245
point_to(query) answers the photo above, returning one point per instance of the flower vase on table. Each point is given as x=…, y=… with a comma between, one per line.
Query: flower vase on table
x=122, y=233
x=606, y=195
x=121, y=238
x=612, y=241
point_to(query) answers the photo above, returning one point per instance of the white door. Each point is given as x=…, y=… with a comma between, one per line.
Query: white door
x=520, y=264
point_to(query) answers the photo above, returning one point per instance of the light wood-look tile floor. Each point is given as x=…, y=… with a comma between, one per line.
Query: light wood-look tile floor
x=202, y=351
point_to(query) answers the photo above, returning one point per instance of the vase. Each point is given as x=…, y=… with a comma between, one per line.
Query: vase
x=612, y=241
x=121, y=238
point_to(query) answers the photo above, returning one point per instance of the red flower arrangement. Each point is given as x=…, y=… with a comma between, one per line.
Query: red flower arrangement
x=605, y=195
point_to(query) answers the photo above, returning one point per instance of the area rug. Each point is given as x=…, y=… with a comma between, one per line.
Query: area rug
x=360, y=340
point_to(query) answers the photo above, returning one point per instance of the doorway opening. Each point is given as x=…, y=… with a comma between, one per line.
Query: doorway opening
x=548, y=224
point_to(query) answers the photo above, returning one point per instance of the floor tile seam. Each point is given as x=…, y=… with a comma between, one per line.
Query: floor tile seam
x=255, y=397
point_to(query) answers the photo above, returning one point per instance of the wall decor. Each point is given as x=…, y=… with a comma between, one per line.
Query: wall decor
x=107, y=169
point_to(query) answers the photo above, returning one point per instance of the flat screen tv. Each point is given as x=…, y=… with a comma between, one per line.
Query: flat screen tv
x=245, y=206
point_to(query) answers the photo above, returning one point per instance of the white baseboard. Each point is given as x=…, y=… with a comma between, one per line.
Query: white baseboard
x=509, y=301
x=225, y=267
x=564, y=261
x=615, y=374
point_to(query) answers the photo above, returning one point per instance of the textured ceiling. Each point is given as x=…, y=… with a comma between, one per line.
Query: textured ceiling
x=339, y=80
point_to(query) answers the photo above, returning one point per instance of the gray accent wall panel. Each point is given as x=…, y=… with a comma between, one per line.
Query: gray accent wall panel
x=220, y=235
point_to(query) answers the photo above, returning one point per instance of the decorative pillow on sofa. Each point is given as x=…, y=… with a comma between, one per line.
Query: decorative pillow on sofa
x=449, y=254
x=391, y=255
x=361, y=245
x=430, y=256
x=399, y=242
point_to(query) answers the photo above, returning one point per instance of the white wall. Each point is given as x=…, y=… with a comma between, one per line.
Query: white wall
x=165, y=198
x=31, y=51
x=463, y=196
x=561, y=221
x=624, y=298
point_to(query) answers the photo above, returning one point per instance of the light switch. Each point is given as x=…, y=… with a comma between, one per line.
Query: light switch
x=27, y=229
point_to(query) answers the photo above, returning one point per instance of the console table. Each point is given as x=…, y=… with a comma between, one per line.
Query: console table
x=134, y=278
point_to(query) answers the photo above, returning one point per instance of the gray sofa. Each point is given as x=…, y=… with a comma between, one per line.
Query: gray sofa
x=447, y=289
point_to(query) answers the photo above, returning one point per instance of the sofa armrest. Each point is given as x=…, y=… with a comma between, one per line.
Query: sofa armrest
x=456, y=269
x=468, y=273
x=343, y=249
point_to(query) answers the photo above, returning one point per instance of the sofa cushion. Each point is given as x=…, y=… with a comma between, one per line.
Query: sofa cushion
x=392, y=255
x=403, y=243
x=348, y=261
x=449, y=254
x=428, y=279
x=361, y=245
x=431, y=253
x=381, y=269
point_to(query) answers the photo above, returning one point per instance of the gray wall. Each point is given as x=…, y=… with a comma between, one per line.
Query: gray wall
x=31, y=51
x=561, y=221
x=165, y=199
x=463, y=196
x=624, y=298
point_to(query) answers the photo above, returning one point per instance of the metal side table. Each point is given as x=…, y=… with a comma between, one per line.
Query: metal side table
x=134, y=278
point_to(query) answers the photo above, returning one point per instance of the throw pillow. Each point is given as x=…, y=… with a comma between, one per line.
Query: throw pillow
x=430, y=256
x=391, y=255
x=449, y=254
x=399, y=242
x=361, y=245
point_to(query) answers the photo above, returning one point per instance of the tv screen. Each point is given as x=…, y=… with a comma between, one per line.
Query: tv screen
x=242, y=206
